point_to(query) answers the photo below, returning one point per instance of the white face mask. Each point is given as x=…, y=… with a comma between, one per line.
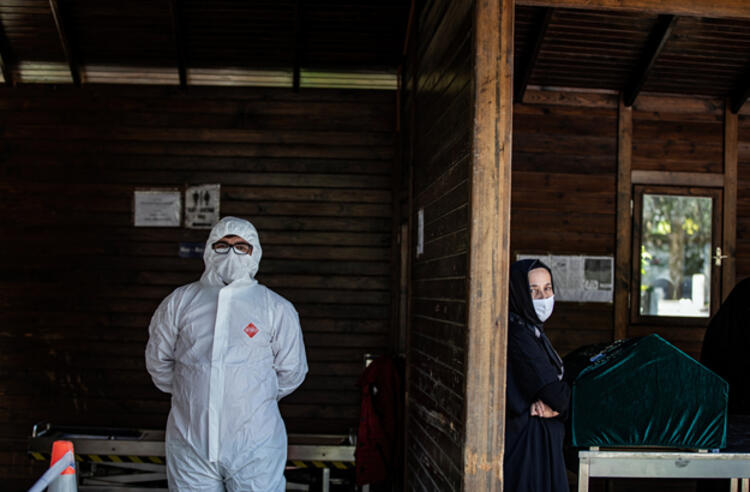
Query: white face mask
x=543, y=307
x=231, y=266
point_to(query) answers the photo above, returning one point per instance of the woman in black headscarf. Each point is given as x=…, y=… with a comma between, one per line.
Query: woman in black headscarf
x=536, y=396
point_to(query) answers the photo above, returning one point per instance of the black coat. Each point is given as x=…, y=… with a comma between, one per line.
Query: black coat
x=533, y=445
x=726, y=345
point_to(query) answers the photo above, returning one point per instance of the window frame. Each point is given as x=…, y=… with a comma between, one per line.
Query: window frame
x=716, y=194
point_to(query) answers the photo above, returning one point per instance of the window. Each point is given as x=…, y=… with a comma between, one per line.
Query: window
x=676, y=233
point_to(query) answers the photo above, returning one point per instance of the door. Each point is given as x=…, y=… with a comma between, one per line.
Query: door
x=676, y=254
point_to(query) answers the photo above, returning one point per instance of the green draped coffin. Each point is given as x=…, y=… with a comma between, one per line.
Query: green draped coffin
x=646, y=392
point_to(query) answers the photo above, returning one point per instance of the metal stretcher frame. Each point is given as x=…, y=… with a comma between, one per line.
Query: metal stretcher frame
x=659, y=464
x=143, y=451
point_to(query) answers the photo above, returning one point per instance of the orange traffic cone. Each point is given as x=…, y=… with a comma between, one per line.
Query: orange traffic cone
x=66, y=482
x=61, y=475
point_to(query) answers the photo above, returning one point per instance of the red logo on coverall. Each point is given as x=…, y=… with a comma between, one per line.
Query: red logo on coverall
x=251, y=330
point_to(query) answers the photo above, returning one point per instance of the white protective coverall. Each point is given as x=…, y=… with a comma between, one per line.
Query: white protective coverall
x=227, y=349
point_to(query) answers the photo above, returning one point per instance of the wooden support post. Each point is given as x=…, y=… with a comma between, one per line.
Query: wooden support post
x=624, y=220
x=5, y=64
x=179, y=40
x=299, y=42
x=63, y=35
x=397, y=238
x=408, y=158
x=489, y=243
x=729, y=241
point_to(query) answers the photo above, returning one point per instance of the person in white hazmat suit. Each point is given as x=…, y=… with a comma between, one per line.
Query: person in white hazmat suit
x=227, y=349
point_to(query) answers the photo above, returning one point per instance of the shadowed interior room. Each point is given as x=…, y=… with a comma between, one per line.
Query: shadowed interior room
x=396, y=157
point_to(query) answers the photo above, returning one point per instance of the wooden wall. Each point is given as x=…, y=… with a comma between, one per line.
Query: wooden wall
x=79, y=283
x=564, y=196
x=743, y=196
x=564, y=187
x=563, y=201
x=438, y=103
x=674, y=137
x=688, y=137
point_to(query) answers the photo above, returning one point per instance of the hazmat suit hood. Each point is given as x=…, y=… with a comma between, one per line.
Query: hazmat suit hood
x=224, y=269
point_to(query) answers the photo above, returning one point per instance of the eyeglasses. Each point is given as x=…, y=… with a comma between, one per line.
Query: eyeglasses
x=223, y=247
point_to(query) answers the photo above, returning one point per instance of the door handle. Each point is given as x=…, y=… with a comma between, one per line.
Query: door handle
x=718, y=257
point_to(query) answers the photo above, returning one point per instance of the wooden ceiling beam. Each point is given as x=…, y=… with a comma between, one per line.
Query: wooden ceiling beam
x=525, y=70
x=175, y=7
x=694, y=8
x=62, y=33
x=740, y=95
x=299, y=42
x=654, y=46
x=5, y=58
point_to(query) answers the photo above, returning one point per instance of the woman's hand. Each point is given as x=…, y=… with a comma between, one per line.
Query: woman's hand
x=542, y=410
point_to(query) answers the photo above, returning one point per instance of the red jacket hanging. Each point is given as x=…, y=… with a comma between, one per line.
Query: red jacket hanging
x=378, y=453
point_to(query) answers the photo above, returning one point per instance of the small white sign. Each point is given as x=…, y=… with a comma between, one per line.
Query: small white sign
x=202, y=205
x=157, y=208
x=420, y=232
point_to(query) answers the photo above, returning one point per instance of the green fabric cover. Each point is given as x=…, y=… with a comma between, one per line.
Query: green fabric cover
x=646, y=392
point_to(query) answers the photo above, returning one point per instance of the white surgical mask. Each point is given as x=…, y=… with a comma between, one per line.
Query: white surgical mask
x=232, y=266
x=543, y=307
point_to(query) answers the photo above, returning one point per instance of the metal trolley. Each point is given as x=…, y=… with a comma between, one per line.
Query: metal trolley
x=133, y=460
x=732, y=463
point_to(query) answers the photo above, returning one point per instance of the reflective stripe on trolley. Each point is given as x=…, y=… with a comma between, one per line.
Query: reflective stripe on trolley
x=339, y=465
x=160, y=460
x=104, y=458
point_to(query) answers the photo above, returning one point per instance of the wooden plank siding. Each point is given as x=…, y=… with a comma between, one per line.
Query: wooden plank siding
x=743, y=197
x=564, y=187
x=564, y=201
x=729, y=210
x=441, y=92
x=564, y=193
x=667, y=137
x=683, y=142
x=313, y=172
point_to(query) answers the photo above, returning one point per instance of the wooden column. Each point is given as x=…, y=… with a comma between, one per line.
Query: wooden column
x=62, y=32
x=624, y=219
x=729, y=241
x=487, y=302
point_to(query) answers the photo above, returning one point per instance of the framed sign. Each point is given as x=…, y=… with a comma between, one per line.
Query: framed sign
x=157, y=207
x=202, y=205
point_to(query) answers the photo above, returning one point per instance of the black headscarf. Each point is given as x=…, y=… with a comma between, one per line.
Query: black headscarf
x=521, y=306
x=520, y=301
x=726, y=344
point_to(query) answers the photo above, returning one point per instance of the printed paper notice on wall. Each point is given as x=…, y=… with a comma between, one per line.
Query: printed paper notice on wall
x=157, y=208
x=579, y=278
x=202, y=204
